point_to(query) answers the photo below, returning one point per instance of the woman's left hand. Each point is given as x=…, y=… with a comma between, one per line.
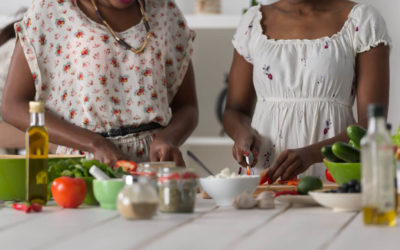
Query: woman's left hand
x=164, y=151
x=289, y=164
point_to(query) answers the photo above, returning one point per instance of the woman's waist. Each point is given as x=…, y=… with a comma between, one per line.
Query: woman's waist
x=276, y=100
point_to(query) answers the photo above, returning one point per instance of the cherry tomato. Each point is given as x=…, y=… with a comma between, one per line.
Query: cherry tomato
x=329, y=176
x=68, y=192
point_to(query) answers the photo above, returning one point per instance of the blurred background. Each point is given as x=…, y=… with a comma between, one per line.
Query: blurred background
x=212, y=59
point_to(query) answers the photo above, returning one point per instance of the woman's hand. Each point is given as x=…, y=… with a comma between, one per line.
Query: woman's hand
x=289, y=164
x=106, y=152
x=245, y=142
x=163, y=151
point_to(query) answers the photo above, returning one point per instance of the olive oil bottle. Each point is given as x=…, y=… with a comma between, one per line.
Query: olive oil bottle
x=37, y=145
x=378, y=171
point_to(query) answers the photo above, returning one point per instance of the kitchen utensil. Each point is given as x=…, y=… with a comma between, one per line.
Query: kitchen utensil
x=249, y=159
x=223, y=191
x=344, y=172
x=339, y=202
x=98, y=173
x=191, y=155
x=106, y=192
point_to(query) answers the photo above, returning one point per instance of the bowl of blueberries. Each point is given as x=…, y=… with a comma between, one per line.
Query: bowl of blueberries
x=346, y=198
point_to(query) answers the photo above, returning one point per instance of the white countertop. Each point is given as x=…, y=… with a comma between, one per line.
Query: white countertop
x=210, y=227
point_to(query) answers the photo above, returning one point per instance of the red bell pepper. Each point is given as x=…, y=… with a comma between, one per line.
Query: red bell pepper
x=329, y=176
x=126, y=165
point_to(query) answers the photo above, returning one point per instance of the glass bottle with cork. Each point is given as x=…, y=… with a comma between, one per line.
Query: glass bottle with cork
x=378, y=171
x=37, y=146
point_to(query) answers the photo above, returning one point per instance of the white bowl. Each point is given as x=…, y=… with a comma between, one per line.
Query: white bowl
x=223, y=191
x=339, y=202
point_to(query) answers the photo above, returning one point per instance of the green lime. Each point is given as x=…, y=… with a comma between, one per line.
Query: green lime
x=308, y=183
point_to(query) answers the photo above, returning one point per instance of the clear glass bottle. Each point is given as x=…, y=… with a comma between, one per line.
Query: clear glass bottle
x=378, y=171
x=138, y=199
x=37, y=147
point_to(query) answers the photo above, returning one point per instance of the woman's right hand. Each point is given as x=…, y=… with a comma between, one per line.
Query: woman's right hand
x=106, y=152
x=245, y=142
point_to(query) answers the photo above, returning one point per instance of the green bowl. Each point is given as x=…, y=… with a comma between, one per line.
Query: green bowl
x=12, y=175
x=344, y=172
x=106, y=192
x=89, y=198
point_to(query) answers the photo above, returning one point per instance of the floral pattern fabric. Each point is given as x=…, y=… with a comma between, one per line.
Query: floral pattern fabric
x=305, y=88
x=85, y=77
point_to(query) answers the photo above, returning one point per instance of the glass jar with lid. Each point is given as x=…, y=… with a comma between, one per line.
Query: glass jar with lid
x=138, y=199
x=177, y=190
x=150, y=169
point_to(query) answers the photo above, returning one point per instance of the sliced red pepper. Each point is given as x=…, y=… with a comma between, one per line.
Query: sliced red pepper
x=329, y=176
x=36, y=207
x=25, y=207
x=126, y=165
x=286, y=192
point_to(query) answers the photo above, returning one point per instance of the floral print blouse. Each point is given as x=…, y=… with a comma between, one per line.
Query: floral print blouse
x=85, y=77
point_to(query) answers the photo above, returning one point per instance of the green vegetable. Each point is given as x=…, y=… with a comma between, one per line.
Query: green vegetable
x=396, y=138
x=328, y=154
x=308, y=183
x=346, y=152
x=354, y=145
x=356, y=133
x=79, y=168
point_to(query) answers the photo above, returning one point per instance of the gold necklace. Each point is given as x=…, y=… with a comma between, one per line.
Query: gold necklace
x=118, y=38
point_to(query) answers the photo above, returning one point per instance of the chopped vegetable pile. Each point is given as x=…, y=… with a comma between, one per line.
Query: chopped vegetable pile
x=80, y=168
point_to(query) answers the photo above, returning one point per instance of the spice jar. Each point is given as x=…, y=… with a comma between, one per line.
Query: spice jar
x=177, y=190
x=150, y=170
x=138, y=199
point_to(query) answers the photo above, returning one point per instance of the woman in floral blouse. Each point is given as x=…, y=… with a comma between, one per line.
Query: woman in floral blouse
x=115, y=75
x=297, y=68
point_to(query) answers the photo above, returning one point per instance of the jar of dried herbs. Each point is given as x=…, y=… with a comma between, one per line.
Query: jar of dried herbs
x=177, y=190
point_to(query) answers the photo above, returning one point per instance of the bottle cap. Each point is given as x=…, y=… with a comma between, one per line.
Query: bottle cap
x=376, y=110
x=36, y=107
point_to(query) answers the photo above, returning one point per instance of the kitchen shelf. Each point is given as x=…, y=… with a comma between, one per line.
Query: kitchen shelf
x=213, y=21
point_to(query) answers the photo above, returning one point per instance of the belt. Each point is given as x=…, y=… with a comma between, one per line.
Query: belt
x=122, y=131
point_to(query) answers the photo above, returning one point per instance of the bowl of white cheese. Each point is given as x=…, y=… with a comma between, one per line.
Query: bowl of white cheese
x=225, y=186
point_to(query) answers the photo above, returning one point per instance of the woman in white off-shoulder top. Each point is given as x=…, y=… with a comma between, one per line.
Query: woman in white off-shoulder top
x=297, y=70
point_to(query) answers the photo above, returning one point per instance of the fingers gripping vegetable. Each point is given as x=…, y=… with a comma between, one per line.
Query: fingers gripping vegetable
x=68, y=192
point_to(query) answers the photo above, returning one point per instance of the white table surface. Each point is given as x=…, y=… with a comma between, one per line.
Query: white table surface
x=210, y=227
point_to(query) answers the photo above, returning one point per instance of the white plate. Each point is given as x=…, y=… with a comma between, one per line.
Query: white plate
x=297, y=199
x=339, y=202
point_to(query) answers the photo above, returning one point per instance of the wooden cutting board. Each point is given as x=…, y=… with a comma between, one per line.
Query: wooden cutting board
x=280, y=187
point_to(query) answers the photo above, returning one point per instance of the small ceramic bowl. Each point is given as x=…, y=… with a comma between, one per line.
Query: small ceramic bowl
x=223, y=191
x=339, y=202
x=106, y=192
x=344, y=172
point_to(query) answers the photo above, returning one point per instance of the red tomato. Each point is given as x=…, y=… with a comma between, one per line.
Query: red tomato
x=68, y=192
x=329, y=176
